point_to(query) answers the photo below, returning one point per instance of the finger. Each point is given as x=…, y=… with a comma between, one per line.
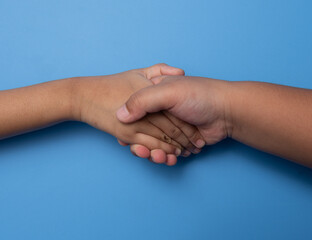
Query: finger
x=140, y=151
x=122, y=143
x=171, y=160
x=152, y=130
x=178, y=145
x=158, y=79
x=161, y=69
x=197, y=150
x=158, y=156
x=168, y=127
x=154, y=143
x=143, y=101
x=185, y=153
x=189, y=130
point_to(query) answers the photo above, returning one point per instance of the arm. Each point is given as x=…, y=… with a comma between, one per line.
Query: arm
x=94, y=100
x=34, y=107
x=272, y=118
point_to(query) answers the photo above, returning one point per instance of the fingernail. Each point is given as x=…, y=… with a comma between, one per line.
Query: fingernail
x=123, y=113
x=178, y=152
x=186, y=153
x=152, y=159
x=200, y=143
x=197, y=150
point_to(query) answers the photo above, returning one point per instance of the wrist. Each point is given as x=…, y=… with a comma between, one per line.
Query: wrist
x=65, y=101
x=219, y=96
x=83, y=91
x=75, y=93
x=237, y=105
x=229, y=102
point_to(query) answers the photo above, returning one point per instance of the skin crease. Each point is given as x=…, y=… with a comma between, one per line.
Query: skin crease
x=207, y=117
x=273, y=118
x=114, y=90
x=95, y=100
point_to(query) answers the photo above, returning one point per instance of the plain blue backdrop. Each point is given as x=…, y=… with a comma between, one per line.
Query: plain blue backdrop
x=72, y=181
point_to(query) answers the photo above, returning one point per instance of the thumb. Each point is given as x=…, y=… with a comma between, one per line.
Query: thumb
x=151, y=99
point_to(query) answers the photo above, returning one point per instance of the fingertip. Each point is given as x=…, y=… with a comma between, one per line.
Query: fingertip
x=197, y=150
x=186, y=153
x=171, y=160
x=158, y=156
x=179, y=72
x=200, y=143
x=169, y=70
x=123, y=114
x=140, y=151
x=178, y=152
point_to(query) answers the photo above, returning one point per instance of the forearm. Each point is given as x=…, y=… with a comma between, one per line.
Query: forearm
x=273, y=118
x=34, y=107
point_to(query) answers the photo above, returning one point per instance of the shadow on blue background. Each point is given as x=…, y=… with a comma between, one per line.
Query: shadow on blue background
x=271, y=163
x=175, y=176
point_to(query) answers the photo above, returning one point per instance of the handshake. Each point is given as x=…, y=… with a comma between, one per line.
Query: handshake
x=156, y=110
x=163, y=114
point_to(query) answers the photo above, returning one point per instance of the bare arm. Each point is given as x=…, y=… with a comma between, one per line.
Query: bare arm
x=94, y=100
x=273, y=118
x=34, y=107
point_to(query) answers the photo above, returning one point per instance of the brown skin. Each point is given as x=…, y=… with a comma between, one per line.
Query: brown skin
x=277, y=119
x=273, y=118
x=114, y=90
x=94, y=100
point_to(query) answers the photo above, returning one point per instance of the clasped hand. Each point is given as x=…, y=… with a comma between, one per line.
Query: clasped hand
x=158, y=136
x=163, y=114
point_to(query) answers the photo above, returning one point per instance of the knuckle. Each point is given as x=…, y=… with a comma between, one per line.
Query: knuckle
x=166, y=139
x=179, y=123
x=175, y=133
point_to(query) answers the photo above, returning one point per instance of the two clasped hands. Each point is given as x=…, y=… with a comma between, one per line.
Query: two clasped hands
x=163, y=114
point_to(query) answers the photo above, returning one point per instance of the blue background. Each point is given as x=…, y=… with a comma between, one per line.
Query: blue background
x=72, y=181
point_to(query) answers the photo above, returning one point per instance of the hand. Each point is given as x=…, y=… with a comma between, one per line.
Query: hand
x=98, y=98
x=199, y=101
